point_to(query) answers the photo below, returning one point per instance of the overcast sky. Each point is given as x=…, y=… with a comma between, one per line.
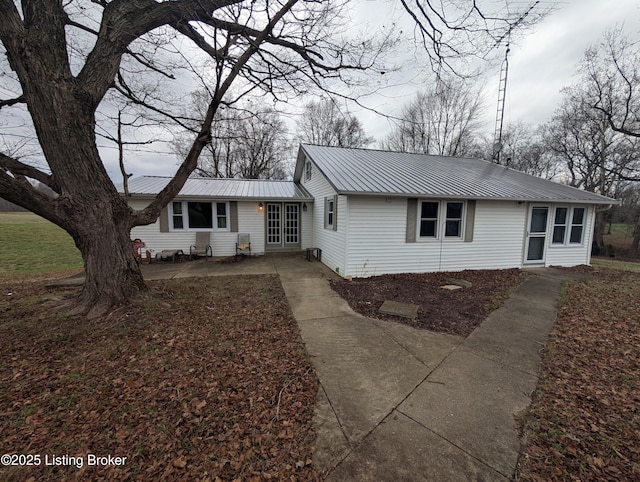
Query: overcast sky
x=540, y=64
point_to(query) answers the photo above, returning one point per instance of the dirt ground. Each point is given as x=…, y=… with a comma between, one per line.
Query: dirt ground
x=457, y=312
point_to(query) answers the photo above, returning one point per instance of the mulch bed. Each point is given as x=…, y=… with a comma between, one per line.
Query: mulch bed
x=457, y=312
x=206, y=379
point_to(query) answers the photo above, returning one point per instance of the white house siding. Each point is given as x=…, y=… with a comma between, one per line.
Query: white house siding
x=377, y=239
x=251, y=221
x=571, y=255
x=306, y=225
x=331, y=242
x=223, y=243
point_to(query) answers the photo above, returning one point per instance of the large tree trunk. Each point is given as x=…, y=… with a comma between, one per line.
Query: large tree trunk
x=112, y=274
x=599, y=247
x=635, y=244
x=88, y=206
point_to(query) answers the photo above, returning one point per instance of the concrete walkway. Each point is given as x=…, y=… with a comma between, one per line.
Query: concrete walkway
x=397, y=403
x=401, y=404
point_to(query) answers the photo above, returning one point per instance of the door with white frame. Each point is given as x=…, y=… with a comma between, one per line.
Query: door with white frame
x=536, y=235
x=282, y=226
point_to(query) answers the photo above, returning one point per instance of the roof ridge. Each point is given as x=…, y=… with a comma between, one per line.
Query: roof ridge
x=155, y=176
x=373, y=149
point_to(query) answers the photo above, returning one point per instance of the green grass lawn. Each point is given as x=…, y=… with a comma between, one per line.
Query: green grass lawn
x=29, y=243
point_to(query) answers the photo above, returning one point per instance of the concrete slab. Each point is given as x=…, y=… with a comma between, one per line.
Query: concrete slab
x=427, y=346
x=451, y=287
x=395, y=308
x=513, y=337
x=319, y=306
x=365, y=373
x=331, y=443
x=401, y=450
x=460, y=282
x=472, y=402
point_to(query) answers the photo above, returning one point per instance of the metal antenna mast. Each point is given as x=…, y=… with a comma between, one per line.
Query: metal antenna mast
x=502, y=86
x=502, y=92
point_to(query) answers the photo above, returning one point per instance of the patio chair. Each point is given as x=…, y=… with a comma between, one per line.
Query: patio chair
x=202, y=246
x=243, y=246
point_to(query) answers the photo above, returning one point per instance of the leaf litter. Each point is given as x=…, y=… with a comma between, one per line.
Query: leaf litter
x=207, y=379
x=584, y=421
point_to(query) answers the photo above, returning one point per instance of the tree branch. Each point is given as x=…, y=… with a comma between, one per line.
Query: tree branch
x=152, y=211
x=10, y=102
x=17, y=168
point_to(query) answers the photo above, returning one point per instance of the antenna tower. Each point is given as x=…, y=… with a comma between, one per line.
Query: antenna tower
x=502, y=86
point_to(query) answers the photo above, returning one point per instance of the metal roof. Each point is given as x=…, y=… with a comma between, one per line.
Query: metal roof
x=368, y=171
x=221, y=188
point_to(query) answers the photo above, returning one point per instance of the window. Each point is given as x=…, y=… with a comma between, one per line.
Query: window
x=177, y=215
x=307, y=171
x=568, y=225
x=330, y=213
x=429, y=219
x=432, y=211
x=331, y=210
x=199, y=215
x=453, y=222
x=221, y=215
x=577, y=226
x=559, y=226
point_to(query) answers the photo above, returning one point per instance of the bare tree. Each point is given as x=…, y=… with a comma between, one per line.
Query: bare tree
x=66, y=56
x=613, y=70
x=248, y=141
x=443, y=121
x=525, y=150
x=324, y=124
x=594, y=156
x=279, y=47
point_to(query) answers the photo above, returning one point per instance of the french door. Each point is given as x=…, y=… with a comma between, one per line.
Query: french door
x=282, y=225
x=536, y=234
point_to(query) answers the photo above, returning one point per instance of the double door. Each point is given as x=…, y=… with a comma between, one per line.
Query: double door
x=282, y=226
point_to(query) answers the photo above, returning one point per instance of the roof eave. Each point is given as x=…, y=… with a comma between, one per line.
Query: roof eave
x=225, y=198
x=604, y=200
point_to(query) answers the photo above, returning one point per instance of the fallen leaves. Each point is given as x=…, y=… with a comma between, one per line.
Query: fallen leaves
x=584, y=422
x=208, y=380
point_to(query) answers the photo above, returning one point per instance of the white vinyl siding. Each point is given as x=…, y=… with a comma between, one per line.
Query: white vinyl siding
x=332, y=242
x=306, y=225
x=250, y=220
x=377, y=239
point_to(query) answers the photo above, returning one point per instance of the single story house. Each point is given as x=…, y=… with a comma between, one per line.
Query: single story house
x=373, y=212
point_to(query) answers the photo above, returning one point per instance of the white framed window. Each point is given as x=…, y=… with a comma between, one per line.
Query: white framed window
x=440, y=219
x=331, y=213
x=568, y=225
x=429, y=212
x=199, y=216
x=307, y=171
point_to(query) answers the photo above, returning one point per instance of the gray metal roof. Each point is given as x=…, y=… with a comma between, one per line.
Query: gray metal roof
x=368, y=171
x=144, y=186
